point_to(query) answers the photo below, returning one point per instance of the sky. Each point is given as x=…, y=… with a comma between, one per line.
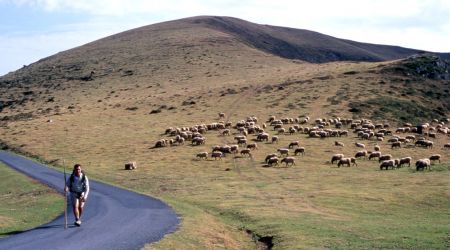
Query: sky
x=34, y=29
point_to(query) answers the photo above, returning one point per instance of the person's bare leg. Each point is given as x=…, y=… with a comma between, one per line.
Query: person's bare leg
x=80, y=209
x=76, y=211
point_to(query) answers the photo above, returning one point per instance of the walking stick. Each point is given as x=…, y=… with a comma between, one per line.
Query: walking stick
x=65, y=198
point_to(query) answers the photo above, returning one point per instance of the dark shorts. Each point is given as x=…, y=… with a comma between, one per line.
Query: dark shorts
x=74, y=196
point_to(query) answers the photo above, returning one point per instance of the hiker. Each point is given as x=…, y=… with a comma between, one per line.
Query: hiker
x=78, y=185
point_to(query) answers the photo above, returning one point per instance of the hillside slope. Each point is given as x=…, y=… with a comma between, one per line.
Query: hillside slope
x=185, y=54
x=302, y=44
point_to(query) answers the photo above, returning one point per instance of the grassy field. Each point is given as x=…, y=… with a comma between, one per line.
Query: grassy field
x=25, y=203
x=225, y=203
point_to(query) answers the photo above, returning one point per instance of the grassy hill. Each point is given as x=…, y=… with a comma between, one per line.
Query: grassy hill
x=108, y=102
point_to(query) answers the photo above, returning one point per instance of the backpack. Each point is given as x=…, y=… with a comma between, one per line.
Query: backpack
x=83, y=181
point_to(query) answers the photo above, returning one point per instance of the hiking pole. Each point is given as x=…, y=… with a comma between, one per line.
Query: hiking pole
x=65, y=197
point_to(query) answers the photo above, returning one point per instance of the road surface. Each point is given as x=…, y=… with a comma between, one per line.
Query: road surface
x=114, y=218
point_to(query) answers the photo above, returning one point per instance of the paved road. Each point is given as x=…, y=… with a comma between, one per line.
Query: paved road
x=114, y=218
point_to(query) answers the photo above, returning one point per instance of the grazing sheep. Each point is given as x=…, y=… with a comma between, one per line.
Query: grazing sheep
x=423, y=164
x=374, y=155
x=246, y=151
x=275, y=139
x=281, y=131
x=386, y=164
x=130, y=165
x=347, y=161
x=405, y=160
x=294, y=143
x=339, y=144
x=242, y=141
x=198, y=140
x=360, y=145
x=292, y=130
x=252, y=146
x=411, y=137
x=300, y=150
x=392, y=140
x=361, y=154
x=336, y=157
x=216, y=148
x=376, y=148
x=234, y=148
x=385, y=157
x=396, y=144
x=273, y=161
x=180, y=140
x=343, y=132
x=424, y=143
x=226, y=132
x=202, y=155
x=216, y=155
x=225, y=149
x=447, y=145
x=435, y=157
x=262, y=137
x=283, y=151
x=221, y=115
x=288, y=160
x=160, y=143
x=240, y=137
x=270, y=156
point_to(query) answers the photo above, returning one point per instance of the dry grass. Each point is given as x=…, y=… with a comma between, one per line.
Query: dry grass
x=311, y=205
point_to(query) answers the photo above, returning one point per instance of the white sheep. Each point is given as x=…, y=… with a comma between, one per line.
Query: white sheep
x=252, y=146
x=405, y=160
x=360, y=145
x=422, y=164
x=246, y=151
x=294, y=143
x=435, y=157
x=384, y=157
x=269, y=156
x=396, y=144
x=283, y=151
x=339, y=144
x=275, y=139
x=226, y=132
x=216, y=155
x=376, y=154
x=288, y=160
x=386, y=164
x=336, y=157
x=202, y=155
x=361, y=154
x=273, y=161
x=299, y=150
x=347, y=161
x=130, y=165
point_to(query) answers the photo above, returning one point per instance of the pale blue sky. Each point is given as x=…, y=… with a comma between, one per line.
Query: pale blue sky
x=33, y=29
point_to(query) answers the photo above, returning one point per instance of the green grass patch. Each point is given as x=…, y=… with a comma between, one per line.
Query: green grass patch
x=388, y=108
x=25, y=203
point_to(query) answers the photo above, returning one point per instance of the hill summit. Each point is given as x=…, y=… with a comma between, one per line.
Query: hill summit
x=216, y=55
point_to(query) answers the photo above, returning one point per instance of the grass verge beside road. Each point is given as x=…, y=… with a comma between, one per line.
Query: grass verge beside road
x=20, y=199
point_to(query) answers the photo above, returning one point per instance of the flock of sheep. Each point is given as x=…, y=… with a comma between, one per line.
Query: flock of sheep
x=248, y=133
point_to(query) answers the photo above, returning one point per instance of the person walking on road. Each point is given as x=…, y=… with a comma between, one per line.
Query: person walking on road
x=78, y=186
